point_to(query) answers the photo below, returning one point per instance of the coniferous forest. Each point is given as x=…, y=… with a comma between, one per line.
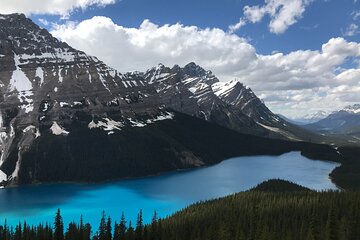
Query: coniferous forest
x=273, y=210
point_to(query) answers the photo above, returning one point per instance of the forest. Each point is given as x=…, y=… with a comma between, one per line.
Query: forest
x=275, y=210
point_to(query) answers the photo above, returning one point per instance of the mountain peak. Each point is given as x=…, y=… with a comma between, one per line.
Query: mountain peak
x=193, y=67
x=355, y=109
x=160, y=65
x=12, y=15
x=314, y=117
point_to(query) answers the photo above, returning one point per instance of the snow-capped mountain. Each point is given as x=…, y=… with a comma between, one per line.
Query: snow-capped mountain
x=345, y=121
x=353, y=109
x=308, y=118
x=315, y=117
x=66, y=115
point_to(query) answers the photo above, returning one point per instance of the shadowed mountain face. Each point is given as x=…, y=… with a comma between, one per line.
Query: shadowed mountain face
x=63, y=110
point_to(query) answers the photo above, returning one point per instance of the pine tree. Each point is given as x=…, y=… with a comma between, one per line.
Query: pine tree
x=130, y=232
x=18, y=232
x=102, y=228
x=331, y=225
x=121, y=228
x=139, y=226
x=58, y=227
x=153, y=227
x=87, y=231
x=108, y=229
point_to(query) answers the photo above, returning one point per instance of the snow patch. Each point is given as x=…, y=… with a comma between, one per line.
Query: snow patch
x=281, y=132
x=135, y=123
x=20, y=82
x=162, y=117
x=46, y=107
x=57, y=130
x=103, y=81
x=107, y=125
x=3, y=176
x=64, y=104
x=40, y=74
x=31, y=127
x=61, y=79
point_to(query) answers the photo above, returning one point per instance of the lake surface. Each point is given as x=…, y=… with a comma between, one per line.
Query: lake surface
x=166, y=193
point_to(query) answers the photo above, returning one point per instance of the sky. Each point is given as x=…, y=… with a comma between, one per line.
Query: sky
x=299, y=56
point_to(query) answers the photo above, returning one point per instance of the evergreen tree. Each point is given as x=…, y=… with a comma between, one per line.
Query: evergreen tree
x=87, y=231
x=331, y=225
x=102, y=235
x=130, y=232
x=108, y=229
x=18, y=232
x=120, y=229
x=139, y=226
x=153, y=227
x=58, y=227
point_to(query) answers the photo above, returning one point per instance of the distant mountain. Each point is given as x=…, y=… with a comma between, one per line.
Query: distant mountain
x=314, y=117
x=344, y=122
x=295, y=122
x=67, y=116
x=307, y=119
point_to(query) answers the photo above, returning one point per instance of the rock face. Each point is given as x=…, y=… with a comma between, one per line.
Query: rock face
x=68, y=116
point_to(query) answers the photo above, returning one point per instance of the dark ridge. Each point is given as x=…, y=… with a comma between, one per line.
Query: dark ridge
x=279, y=185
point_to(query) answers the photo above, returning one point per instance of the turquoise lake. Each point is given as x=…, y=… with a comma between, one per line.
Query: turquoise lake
x=165, y=193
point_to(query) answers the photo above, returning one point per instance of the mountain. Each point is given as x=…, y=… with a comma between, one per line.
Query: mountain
x=67, y=116
x=314, y=117
x=307, y=119
x=293, y=121
x=345, y=122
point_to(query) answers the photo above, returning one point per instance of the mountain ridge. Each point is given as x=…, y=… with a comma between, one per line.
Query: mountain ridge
x=343, y=123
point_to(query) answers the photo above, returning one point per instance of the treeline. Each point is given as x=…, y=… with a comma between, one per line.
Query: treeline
x=267, y=212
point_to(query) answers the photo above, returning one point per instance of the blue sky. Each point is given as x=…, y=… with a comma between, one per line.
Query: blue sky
x=299, y=56
x=322, y=20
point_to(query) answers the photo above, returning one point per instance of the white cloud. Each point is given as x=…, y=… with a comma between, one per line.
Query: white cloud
x=57, y=7
x=237, y=26
x=282, y=13
x=290, y=83
x=355, y=15
x=44, y=21
x=130, y=49
x=351, y=30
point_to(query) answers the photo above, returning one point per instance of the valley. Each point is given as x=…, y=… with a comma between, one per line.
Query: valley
x=165, y=193
x=81, y=137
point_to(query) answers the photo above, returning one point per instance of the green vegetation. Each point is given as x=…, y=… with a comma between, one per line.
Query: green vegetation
x=347, y=176
x=273, y=210
x=278, y=185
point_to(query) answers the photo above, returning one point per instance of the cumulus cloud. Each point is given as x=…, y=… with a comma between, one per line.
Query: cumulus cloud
x=130, y=49
x=282, y=13
x=58, y=7
x=289, y=83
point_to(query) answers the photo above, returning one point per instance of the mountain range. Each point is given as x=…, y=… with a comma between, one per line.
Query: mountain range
x=67, y=116
x=307, y=118
x=343, y=123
